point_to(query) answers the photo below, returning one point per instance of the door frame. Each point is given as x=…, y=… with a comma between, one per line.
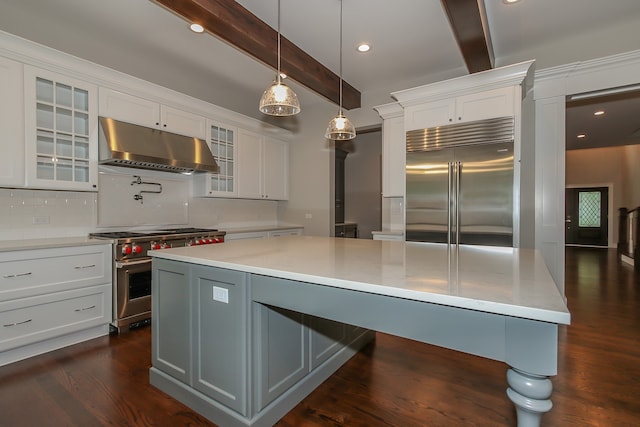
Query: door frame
x=611, y=228
x=552, y=86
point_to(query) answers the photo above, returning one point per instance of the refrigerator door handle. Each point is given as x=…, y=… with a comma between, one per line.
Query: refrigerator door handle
x=449, y=201
x=458, y=179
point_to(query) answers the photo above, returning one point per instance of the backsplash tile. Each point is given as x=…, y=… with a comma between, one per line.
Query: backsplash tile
x=29, y=214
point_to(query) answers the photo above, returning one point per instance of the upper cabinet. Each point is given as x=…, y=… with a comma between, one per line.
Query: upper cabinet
x=132, y=109
x=393, y=150
x=11, y=124
x=222, y=142
x=263, y=167
x=493, y=93
x=465, y=108
x=61, y=134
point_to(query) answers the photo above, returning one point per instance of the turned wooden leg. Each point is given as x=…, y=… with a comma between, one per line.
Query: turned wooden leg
x=530, y=394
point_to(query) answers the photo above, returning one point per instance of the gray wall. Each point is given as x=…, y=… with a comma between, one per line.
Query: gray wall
x=363, y=183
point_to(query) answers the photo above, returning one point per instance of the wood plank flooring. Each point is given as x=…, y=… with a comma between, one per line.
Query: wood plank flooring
x=394, y=382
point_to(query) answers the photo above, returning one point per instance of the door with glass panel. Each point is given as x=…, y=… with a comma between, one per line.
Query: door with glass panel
x=587, y=216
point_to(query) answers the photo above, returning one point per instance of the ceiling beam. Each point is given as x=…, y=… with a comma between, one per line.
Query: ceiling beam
x=231, y=22
x=467, y=20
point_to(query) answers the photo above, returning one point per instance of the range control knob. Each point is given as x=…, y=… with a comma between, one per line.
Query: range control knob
x=137, y=249
x=126, y=250
x=165, y=245
x=155, y=246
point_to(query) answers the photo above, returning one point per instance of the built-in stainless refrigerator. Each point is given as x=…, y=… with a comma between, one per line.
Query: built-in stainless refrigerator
x=460, y=183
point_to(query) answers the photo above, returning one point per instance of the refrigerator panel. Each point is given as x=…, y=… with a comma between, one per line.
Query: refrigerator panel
x=427, y=202
x=486, y=194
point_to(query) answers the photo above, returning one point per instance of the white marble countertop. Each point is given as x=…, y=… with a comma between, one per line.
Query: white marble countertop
x=506, y=281
x=50, y=242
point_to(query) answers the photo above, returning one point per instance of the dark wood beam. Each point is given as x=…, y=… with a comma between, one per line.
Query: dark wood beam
x=466, y=20
x=229, y=21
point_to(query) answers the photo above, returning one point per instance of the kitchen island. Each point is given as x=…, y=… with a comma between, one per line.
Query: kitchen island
x=266, y=302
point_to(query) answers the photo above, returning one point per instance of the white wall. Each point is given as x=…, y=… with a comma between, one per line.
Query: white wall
x=311, y=171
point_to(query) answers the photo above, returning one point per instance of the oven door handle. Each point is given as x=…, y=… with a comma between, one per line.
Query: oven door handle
x=120, y=264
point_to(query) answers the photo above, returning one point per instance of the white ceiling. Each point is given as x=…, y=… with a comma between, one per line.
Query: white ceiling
x=412, y=41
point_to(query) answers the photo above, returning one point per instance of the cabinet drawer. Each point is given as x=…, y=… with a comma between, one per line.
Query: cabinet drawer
x=29, y=320
x=28, y=273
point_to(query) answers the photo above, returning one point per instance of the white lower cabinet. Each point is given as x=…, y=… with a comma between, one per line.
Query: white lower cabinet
x=263, y=234
x=53, y=297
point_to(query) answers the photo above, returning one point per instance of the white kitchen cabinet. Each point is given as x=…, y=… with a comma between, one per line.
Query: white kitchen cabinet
x=61, y=134
x=246, y=235
x=464, y=108
x=53, y=297
x=287, y=232
x=222, y=142
x=263, y=167
x=266, y=234
x=132, y=109
x=393, y=150
x=11, y=124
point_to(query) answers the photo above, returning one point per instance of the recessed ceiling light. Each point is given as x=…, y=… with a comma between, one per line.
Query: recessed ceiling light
x=196, y=28
x=581, y=135
x=599, y=113
x=364, y=47
x=510, y=1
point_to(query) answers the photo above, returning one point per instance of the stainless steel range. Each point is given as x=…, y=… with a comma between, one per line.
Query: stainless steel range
x=132, y=268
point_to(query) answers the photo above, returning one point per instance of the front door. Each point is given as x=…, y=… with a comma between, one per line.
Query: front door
x=586, y=216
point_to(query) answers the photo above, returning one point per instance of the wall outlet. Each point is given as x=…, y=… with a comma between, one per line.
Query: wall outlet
x=308, y=216
x=40, y=219
x=221, y=294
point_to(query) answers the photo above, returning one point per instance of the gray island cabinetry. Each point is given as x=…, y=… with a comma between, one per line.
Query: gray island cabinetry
x=236, y=361
x=244, y=331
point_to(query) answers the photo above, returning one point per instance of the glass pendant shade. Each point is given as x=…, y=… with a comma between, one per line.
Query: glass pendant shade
x=279, y=100
x=340, y=128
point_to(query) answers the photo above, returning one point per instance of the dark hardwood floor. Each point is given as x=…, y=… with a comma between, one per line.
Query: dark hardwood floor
x=394, y=382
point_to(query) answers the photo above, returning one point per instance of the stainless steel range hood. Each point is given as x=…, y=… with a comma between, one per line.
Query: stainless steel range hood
x=126, y=144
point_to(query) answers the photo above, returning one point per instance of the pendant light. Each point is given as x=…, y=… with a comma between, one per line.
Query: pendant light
x=340, y=128
x=278, y=99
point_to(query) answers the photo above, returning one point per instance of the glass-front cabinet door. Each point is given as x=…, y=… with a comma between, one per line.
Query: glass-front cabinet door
x=222, y=141
x=61, y=131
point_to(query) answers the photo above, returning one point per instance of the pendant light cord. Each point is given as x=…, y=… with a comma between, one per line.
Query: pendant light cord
x=278, y=41
x=340, y=56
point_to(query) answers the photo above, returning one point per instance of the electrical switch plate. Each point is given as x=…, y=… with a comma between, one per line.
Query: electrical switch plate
x=221, y=294
x=40, y=219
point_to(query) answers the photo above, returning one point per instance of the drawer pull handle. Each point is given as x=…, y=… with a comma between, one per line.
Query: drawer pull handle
x=17, y=323
x=11, y=276
x=84, y=309
x=84, y=266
